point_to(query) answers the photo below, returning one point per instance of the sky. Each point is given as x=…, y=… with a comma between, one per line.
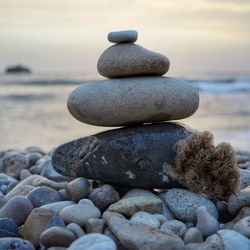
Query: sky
x=63, y=35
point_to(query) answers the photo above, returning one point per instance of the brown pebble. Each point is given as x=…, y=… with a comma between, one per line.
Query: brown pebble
x=94, y=225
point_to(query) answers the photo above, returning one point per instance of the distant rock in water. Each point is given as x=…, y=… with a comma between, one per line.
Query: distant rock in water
x=17, y=70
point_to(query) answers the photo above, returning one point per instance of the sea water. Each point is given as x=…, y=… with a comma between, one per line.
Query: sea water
x=33, y=110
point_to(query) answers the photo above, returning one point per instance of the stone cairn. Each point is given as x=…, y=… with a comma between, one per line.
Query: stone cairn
x=160, y=170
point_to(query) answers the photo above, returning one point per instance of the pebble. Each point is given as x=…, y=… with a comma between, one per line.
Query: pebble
x=3, y=200
x=128, y=59
x=33, y=158
x=44, y=195
x=10, y=243
x=104, y=196
x=136, y=192
x=76, y=230
x=36, y=223
x=232, y=240
x=133, y=235
x=17, y=208
x=136, y=100
x=162, y=219
x=12, y=163
x=146, y=218
x=243, y=226
x=7, y=180
x=206, y=223
x=57, y=236
x=124, y=36
x=192, y=235
x=94, y=225
x=79, y=213
x=24, y=173
x=131, y=205
x=147, y=148
x=21, y=191
x=56, y=221
x=175, y=226
x=108, y=214
x=203, y=246
x=78, y=189
x=86, y=201
x=36, y=149
x=238, y=201
x=57, y=206
x=63, y=192
x=93, y=241
x=184, y=204
x=8, y=228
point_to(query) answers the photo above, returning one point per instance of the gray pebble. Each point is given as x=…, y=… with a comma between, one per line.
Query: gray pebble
x=76, y=230
x=243, y=227
x=146, y=218
x=94, y=225
x=124, y=36
x=192, y=235
x=175, y=226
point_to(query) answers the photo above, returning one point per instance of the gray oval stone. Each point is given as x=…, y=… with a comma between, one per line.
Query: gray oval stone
x=124, y=36
x=133, y=101
x=127, y=59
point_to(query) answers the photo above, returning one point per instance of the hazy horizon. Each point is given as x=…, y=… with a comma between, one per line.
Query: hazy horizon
x=59, y=35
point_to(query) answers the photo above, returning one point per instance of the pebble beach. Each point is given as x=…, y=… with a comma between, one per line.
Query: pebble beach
x=146, y=182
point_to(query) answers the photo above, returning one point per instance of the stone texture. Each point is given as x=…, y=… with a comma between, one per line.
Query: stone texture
x=43, y=195
x=127, y=59
x=8, y=228
x=56, y=221
x=36, y=223
x=76, y=230
x=57, y=236
x=184, y=204
x=202, y=246
x=10, y=243
x=243, y=227
x=238, y=201
x=93, y=242
x=17, y=208
x=146, y=218
x=79, y=213
x=135, y=100
x=131, y=205
x=78, y=189
x=174, y=226
x=147, y=148
x=192, y=235
x=94, y=225
x=20, y=191
x=124, y=36
x=206, y=223
x=134, y=235
x=108, y=214
x=104, y=196
x=57, y=206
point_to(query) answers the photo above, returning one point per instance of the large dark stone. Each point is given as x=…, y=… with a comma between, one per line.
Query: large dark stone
x=135, y=156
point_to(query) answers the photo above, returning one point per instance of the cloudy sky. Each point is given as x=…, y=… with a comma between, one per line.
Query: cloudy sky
x=64, y=35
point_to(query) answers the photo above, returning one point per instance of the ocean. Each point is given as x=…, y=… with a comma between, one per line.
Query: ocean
x=33, y=109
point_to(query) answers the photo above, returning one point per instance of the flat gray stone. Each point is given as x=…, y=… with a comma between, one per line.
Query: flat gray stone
x=93, y=241
x=127, y=59
x=146, y=218
x=136, y=100
x=124, y=36
x=243, y=227
x=184, y=204
x=134, y=235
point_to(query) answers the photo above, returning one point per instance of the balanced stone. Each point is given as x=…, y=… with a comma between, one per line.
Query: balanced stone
x=127, y=59
x=135, y=100
x=124, y=36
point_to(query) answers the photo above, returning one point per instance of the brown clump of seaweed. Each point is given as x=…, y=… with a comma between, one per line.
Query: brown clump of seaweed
x=203, y=167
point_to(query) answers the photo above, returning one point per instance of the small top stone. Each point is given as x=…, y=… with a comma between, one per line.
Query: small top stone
x=124, y=36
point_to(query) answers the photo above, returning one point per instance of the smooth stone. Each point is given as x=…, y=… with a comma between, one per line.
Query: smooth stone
x=135, y=192
x=238, y=201
x=146, y=218
x=24, y=173
x=175, y=226
x=202, y=246
x=33, y=158
x=86, y=201
x=36, y=223
x=232, y=240
x=44, y=195
x=244, y=212
x=127, y=59
x=108, y=214
x=134, y=235
x=108, y=233
x=79, y=214
x=184, y=204
x=36, y=149
x=63, y=192
x=137, y=100
x=93, y=241
x=192, y=235
x=21, y=191
x=8, y=228
x=57, y=236
x=7, y=180
x=36, y=181
x=147, y=148
x=58, y=206
x=3, y=200
x=94, y=225
x=161, y=218
x=206, y=223
x=166, y=212
x=12, y=163
x=104, y=196
x=17, y=208
x=243, y=227
x=129, y=206
x=56, y=221
x=78, y=189
x=124, y=36
x=76, y=230
x=10, y=243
